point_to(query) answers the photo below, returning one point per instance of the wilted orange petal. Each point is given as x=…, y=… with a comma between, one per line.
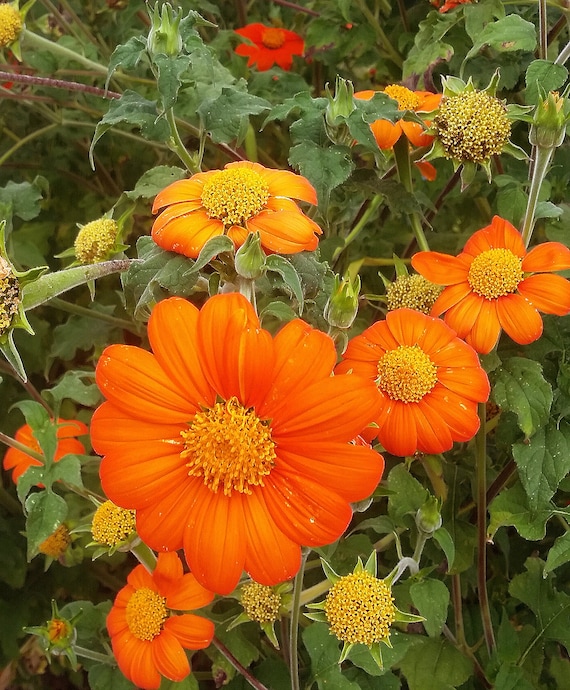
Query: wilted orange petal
x=548, y=293
x=519, y=319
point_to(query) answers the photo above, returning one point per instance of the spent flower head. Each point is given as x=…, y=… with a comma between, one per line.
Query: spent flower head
x=412, y=292
x=113, y=529
x=96, y=240
x=264, y=605
x=57, y=543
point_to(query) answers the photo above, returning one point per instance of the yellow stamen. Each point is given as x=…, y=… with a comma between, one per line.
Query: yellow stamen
x=407, y=100
x=406, y=373
x=95, y=240
x=146, y=613
x=11, y=24
x=260, y=603
x=112, y=525
x=9, y=294
x=495, y=273
x=235, y=195
x=273, y=38
x=230, y=447
x=412, y=292
x=56, y=544
x=472, y=126
x=360, y=609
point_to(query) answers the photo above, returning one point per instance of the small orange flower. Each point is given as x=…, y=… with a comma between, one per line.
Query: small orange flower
x=231, y=443
x=148, y=639
x=448, y=4
x=495, y=283
x=271, y=45
x=387, y=133
x=244, y=197
x=428, y=380
x=67, y=430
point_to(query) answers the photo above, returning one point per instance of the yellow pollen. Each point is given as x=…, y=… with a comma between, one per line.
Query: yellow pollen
x=360, y=609
x=112, y=525
x=146, y=613
x=472, y=126
x=406, y=373
x=230, y=447
x=412, y=292
x=56, y=544
x=273, y=38
x=95, y=240
x=235, y=195
x=10, y=24
x=495, y=273
x=260, y=603
x=407, y=100
x=9, y=294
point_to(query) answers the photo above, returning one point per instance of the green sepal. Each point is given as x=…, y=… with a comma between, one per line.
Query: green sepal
x=329, y=572
x=376, y=653
x=403, y=617
x=515, y=151
x=318, y=616
x=468, y=172
x=8, y=349
x=371, y=566
x=347, y=646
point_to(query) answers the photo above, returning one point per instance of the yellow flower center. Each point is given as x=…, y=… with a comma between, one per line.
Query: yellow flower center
x=9, y=294
x=412, y=292
x=472, y=126
x=235, y=195
x=112, y=525
x=230, y=447
x=260, y=603
x=273, y=38
x=360, y=609
x=406, y=373
x=407, y=100
x=146, y=614
x=495, y=273
x=10, y=25
x=95, y=240
x=56, y=544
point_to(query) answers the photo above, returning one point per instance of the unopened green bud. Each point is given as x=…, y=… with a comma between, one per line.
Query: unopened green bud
x=342, y=306
x=250, y=258
x=58, y=635
x=550, y=119
x=164, y=37
x=338, y=109
x=428, y=517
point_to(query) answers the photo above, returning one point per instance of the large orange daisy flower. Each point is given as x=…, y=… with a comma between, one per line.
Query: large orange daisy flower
x=495, y=283
x=18, y=461
x=230, y=443
x=269, y=46
x=428, y=380
x=387, y=133
x=244, y=197
x=148, y=639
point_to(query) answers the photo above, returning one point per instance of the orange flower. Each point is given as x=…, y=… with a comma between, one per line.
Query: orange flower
x=428, y=380
x=271, y=46
x=387, y=133
x=148, y=639
x=18, y=461
x=495, y=283
x=448, y=4
x=244, y=197
x=231, y=443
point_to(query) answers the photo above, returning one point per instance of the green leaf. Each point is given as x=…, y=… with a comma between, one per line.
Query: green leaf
x=325, y=168
x=103, y=677
x=77, y=386
x=22, y=199
x=82, y=333
x=324, y=651
x=431, y=598
x=551, y=608
x=505, y=35
x=226, y=117
x=435, y=664
x=155, y=180
x=43, y=427
x=511, y=507
x=301, y=102
x=279, y=264
x=443, y=538
x=521, y=388
x=45, y=513
x=127, y=55
x=511, y=677
x=545, y=74
x=559, y=554
x=170, y=71
x=543, y=462
x=429, y=49
x=408, y=494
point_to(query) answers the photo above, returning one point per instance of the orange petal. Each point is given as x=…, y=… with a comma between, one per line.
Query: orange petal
x=372, y=344
x=486, y=329
x=427, y=170
x=397, y=432
x=519, y=319
x=288, y=184
x=441, y=269
x=471, y=383
x=169, y=657
x=461, y=418
x=386, y=133
x=183, y=211
x=499, y=235
x=139, y=578
x=187, y=235
x=141, y=667
x=186, y=594
x=193, y=632
x=416, y=134
x=548, y=256
x=548, y=293
x=180, y=191
x=438, y=337
x=408, y=326
x=285, y=232
x=168, y=569
x=434, y=435
x=464, y=315
x=450, y=297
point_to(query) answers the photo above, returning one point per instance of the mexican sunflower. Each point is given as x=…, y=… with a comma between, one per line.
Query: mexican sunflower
x=148, y=639
x=244, y=197
x=233, y=444
x=67, y=430
x=269, y=46
x=495, y=283
x=428, y=381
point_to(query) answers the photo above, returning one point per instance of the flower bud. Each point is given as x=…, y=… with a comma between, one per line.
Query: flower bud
x=250, y=259
x=58, y=636
x=338, y=109
x=342, y=306
x=164, y=37
x=428, y=517
x=550, y=119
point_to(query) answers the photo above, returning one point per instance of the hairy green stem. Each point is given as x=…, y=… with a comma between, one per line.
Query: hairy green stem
x=384, y=42
x=357, y=229
x=542, y=30
x=177, y=145
x=95, y=656
x=32, y=40
x=78, y=310
x=294, y=630
x=225, y=652
x=144, y=555
x=541, y=162
x=404, y=168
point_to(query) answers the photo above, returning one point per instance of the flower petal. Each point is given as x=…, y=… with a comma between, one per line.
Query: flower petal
x=386, y=133
x=548, y=256
x=519, y=319
x=451, y=295
x=458, y=414
x=486, y=330
x=434, y=436
x=548, y=293
x=408, y=326
x=187, y=594
x=397, y=428
x=499, y=235
x=187, y=235
x=471, y=383
x=180, y=191
x=193, y=632
x=416, y=133
x=169, y=657
x=288, y=184
x=464, y=315
x=285, y=232
x=441, y=269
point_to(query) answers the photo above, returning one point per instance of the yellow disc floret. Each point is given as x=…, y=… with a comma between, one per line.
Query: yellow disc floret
x=407, y=100
x=412, y=292
x=260, y=603
x=9, y=295
x=360, y=609
x=406, y=373
x=495, y=273
x=95, y=240
x=235, y=195
x=472, y=126
x=11, y=25
x=146, y=613
x=56, y=544
x=273, y=38
x=230, y=447
x=112, y=525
